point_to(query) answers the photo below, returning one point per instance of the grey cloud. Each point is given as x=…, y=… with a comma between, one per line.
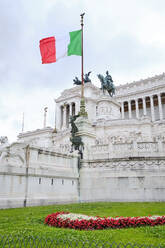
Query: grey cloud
x=124, y=53
x=110, y=42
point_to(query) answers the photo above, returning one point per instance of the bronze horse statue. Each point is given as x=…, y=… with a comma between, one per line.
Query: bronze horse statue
x=107, y=84
x=86, y=79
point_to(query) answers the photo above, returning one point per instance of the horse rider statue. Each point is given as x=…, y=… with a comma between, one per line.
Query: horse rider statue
x=86, y=79
x=107, y=84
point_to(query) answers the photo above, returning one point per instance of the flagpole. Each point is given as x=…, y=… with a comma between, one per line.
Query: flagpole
x=82, y=57
x=82, y=103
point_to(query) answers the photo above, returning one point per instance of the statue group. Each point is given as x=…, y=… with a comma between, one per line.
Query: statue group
x=3, y=140
x=86, y=79
x=106, y=82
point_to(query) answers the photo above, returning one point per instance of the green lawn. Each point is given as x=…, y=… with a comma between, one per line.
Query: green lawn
x=30, y=221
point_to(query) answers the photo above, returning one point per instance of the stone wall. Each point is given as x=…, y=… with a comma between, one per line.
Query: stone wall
x=33, y=176
x=128, y=179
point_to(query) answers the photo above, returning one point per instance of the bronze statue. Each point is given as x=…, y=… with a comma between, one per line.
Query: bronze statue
x=86, y=79
x=107, y=83
x=76, y=141
x=77, y=81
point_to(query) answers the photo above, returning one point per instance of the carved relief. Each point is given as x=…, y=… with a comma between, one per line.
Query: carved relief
x=127, y=164
x=147, y=146
x=159, y=138
x=123, y=147
x=13, y=160
x=99, y=148
x=11, y=157
x=127, y=138
x=131, y=143
x=63, y=148
x=4, y=154
x=104, y=109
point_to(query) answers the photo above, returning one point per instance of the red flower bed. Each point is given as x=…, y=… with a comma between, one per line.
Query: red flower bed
x=102, y=223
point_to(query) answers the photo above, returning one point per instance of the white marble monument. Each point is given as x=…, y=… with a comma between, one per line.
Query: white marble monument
x=123, y=156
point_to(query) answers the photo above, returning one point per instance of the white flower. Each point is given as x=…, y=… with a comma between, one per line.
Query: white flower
x=72, y=216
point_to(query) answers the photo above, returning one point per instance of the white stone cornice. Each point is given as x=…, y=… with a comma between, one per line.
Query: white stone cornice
x=157, y=82
x=76, y=92
x=68, y=97
x=147, y=80
x=36, y=132
x=141, y=94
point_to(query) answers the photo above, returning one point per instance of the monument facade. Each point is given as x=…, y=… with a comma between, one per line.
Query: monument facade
x=123, y=154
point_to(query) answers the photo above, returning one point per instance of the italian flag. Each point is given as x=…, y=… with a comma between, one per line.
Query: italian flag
x=53, y=48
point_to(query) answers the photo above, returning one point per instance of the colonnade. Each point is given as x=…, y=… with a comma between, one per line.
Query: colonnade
x=152, y=105
x=67, y=110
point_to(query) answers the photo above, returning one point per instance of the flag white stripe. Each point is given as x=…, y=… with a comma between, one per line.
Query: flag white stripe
x=62, y=46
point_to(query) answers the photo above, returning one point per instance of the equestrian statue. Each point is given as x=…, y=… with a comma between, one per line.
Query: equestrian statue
x=86, y=79
x=107, y=84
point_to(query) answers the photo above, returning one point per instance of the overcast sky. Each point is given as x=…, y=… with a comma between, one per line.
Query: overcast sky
x=126, y=37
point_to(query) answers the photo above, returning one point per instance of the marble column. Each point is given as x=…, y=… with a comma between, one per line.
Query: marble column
x=144, y=106
x=160, y=107
x=70, y=109
x=58, y=120
x=137, y=108
x=67, y=115
x=129, y=109
x=61, y=116
x=70, y=113
x=64, y=116
x=122, y=110
x=152, y=108
x=76, y=108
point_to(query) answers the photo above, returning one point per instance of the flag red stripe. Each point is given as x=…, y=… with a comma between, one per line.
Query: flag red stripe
x=48, y=50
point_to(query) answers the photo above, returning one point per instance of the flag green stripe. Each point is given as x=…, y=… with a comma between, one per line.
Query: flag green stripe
x=74, y=47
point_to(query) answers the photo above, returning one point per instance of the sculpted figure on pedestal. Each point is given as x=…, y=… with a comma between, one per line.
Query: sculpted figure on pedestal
x=107, y=83
x=3, y=140
x=76, y=141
